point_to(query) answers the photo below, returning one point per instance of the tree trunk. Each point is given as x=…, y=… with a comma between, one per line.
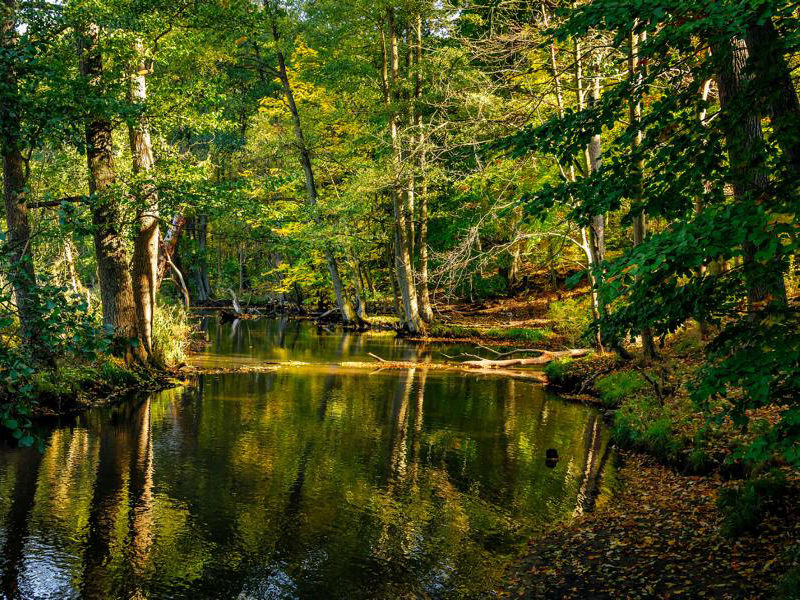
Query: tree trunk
x=639, y=221
x=23, y=275
x=741, y=124
x=168, y=246
x=403, y=263
x=72, y=273
x=596, y=230
x=345, y=307
x=202, y=241
x=116, y=290
x=145, y=248
x=361, y=308
x=425, y=306
x=773, y=78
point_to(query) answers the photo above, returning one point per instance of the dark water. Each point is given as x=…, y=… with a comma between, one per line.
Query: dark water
x=306, y=482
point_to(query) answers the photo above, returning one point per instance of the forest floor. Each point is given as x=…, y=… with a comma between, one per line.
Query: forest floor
x=661, y=536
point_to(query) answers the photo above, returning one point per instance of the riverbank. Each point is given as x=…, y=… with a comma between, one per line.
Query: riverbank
x=691, y=518
x=72, y=390
x=661, y=536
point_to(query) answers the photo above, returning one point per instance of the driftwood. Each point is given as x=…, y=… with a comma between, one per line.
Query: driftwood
x=545, y=356
x=389, y=365
x=236, y=306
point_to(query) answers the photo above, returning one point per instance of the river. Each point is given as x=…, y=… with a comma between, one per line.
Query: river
x=312, y=481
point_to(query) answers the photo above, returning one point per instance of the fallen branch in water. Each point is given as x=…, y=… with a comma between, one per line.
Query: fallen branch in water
x=545, y=356
x=536, y=376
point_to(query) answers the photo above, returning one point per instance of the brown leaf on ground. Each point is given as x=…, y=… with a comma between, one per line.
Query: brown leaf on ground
x=659, y=538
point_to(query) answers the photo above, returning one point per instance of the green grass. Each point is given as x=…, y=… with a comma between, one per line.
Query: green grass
x=67, y=382
x=171, y=332
x=643, y=424
x=557, y=371
x=617, y=387
x=513, y=334
x=519, y=334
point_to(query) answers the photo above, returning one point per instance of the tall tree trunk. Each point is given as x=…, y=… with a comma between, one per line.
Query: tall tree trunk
x=773, y=78
x=116, y=290
x=145, y=248
x=358, y=284
x=411, y=153
x=344, y=305
x=202, y=268
x=741, y=123
x=403, y=263
x=425, y=306
x=14, y=183
x=594, y=160
x=594, y=239
x=639, y=222
x=72, y=273
x=168, y=246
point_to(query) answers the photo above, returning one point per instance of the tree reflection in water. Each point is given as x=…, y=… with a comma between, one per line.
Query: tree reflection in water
x=308, y=482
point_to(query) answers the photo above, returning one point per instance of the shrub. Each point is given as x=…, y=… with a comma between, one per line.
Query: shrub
x=616, y=387
x=643, y=424
x=788, y=587
x=170, y=335
x=744, y=505
x=571, y=319
x=557, y=370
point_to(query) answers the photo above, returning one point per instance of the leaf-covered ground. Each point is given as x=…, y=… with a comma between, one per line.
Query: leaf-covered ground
x=659, y=537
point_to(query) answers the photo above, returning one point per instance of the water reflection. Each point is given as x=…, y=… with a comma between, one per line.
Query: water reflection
x=295, y=484
x=283, y=339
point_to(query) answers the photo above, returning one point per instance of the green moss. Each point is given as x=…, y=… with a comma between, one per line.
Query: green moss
x=617, y=387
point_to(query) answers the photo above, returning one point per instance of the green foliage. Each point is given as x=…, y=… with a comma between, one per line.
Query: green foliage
x=557, y=370
x=518, y=334
x=617, y=387
x=744, y=504
x=60, y=327
x=571, y=319
x=788, y=587
x=669, y=162
x=642, y=423
x=171, y=332
x=453, y=331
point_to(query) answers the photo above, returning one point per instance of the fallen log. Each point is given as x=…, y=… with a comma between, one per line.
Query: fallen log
x=545, y=357
x=386, y=365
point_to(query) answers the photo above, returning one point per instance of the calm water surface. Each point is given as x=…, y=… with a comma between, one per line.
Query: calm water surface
x=310, y=482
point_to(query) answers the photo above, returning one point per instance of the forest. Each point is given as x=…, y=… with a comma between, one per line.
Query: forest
x=599, y=196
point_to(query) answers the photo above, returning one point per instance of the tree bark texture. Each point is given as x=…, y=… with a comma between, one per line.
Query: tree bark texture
x=116, y=290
